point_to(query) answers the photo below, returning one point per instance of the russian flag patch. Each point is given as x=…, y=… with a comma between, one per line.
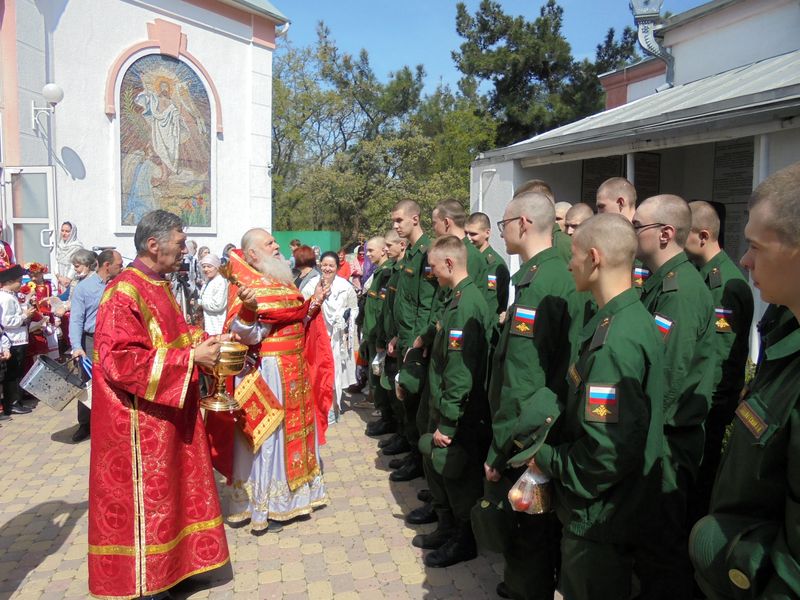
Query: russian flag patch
x=664, y=325
x=721, y=319
x=524, y=320
x=640, y=275
x=455, y=339
x=492, y=282
x=601, y=404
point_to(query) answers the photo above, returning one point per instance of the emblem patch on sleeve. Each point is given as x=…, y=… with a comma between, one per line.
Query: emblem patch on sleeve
x=382, y=294
x=428, y=272
x=664, y=325
x=524, y=320
x=640, y=275
x=721, y=319
x=601, y=404
x=455, y=339
x=750, y=419
x=492, y=282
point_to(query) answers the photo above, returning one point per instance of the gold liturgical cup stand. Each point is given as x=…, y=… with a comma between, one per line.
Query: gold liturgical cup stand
x=232, y=356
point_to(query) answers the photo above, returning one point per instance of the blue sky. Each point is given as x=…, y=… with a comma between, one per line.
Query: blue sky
x=423, y=31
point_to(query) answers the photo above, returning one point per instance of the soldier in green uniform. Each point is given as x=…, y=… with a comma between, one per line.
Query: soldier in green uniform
x=733, y=316
x=618, y=196
x=385, y=330
x=478, y=230
x=575, y=216
x=749, y=544
x=416, y=288
x=448, y=218
x=561, y=241
x=534, y=351
x=683, y=311
x=459, y=410
x=606, y=458
x=375, y=297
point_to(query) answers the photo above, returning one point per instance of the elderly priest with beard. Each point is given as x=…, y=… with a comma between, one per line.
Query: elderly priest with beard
x=271, y=454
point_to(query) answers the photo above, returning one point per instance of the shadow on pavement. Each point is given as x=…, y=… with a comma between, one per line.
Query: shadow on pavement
x=206, y=581
x=58, y=519
x=64, y=436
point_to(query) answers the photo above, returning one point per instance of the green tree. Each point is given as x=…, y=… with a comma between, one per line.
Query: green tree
x=536, y=84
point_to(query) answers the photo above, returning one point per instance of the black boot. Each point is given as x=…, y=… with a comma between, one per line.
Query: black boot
x=421, y=515
x=390, y=440
x=81, y=433
x=502, y=590
x=380, y=427
x=424, y=496
x=409, y=471
x=459, y=548
x=397, y=447
x=437, y=538
x=399, y=461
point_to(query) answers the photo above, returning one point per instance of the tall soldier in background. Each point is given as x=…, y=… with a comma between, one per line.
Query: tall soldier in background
x=733, y=316
x=479, y=230
x=682, y=308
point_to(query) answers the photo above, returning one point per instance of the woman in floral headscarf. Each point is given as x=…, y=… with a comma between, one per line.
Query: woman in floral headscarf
x=67, y=245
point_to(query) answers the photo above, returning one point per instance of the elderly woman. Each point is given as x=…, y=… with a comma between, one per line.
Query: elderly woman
x=67, y=246
x=305, y=263
x=340, y=310
x=214, y=295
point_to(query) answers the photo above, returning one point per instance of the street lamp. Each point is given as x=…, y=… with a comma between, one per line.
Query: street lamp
x=52, y=94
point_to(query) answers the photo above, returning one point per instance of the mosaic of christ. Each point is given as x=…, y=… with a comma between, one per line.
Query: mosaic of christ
x=165, y=141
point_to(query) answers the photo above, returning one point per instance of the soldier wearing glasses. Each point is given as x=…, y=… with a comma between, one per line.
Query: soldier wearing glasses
x=681, y=305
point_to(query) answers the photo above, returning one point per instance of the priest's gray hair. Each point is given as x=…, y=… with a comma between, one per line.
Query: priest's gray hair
x=158, y=224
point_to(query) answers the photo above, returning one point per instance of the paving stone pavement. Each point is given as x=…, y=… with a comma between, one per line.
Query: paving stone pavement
x=356, y=547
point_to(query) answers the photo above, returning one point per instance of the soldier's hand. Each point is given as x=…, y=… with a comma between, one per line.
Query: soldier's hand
x=533, y=467
x=248, y=297
x=502, y=318
x=6, y=355
x=491, y=473
x=441, y=440
x=206, y=354
x=418, y=343
x=391, y=349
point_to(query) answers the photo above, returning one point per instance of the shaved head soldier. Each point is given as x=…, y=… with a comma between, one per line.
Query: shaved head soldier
x=576, y=215
x=733, y=315
x=749, y=545
x=561, y=241
x=618, y=195
x=682, y=308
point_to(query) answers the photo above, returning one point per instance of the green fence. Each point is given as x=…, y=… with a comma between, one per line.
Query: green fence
x=326, y=240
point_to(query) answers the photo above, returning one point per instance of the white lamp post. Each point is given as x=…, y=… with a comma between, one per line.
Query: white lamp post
x=53, y=94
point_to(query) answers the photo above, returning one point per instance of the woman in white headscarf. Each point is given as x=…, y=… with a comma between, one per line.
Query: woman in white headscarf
x=67, y=245
x=214, y=295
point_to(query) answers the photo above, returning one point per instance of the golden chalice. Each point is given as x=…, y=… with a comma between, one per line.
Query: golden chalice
x=232, y=356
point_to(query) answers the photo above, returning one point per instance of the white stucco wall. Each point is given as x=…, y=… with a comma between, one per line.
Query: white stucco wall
x=87, y=42
x=740, y=34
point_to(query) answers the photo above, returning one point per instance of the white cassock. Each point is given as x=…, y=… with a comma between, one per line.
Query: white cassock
x=343, y=334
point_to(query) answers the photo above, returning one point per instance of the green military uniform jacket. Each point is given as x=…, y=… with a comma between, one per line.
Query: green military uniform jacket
x=759, y=476
x=499, y=278
x=385, y=328
x=606, y=461
x=416, y=288
x=373, y=306
x=733, y=316
x=683, y=311
x=458, y=362
x=562, y=243
x=535, y=346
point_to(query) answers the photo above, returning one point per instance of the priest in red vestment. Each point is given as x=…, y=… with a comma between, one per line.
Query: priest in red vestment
x=154, y=511
x=271, y=454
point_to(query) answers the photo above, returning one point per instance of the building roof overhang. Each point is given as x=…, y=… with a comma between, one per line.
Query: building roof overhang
x=755, y=98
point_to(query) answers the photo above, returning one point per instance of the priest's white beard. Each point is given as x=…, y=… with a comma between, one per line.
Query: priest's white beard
x=273, y=266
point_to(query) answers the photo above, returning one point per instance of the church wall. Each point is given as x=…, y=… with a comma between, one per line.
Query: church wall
x=31, y=77
x=87, y=43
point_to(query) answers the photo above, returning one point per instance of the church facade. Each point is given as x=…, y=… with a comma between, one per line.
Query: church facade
x=109, y=110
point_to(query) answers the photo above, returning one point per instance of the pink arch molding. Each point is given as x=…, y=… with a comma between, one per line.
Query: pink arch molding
x=169, y=40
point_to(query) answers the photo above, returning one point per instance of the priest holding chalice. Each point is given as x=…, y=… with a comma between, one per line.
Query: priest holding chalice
x=154, y=511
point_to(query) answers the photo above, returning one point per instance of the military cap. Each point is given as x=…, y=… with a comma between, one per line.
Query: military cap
x=493, y=518
x=733, y=551
x=413, y=371
x=536, y=417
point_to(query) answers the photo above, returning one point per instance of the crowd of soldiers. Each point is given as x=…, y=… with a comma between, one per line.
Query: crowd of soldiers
x=614, y=374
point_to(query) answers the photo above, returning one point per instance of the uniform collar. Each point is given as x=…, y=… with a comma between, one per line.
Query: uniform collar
x=784, y=341
x=535, y=261
x=714, y=262
x=615, y=305
x=423, y=240
x=672, y=264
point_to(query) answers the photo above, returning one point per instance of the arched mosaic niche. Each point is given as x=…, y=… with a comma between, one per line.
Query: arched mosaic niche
x=165, y=141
